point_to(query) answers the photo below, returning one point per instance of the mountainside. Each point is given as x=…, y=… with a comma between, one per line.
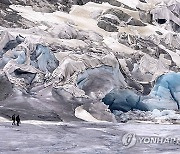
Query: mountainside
x=90, y=60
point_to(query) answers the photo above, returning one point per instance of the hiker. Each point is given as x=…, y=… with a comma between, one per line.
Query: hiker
x=13, y=119
x=18, y=120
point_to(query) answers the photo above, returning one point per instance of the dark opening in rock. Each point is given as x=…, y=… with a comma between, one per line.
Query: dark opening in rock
x=161, y=21
x=79, y=2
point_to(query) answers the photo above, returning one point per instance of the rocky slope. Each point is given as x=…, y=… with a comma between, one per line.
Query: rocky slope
x=69, y=60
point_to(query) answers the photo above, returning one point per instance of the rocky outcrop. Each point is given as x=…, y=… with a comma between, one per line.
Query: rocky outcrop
x=11, y=18
x=111, y=2
x=113, y=18
x=164, y=13
x=6, y=87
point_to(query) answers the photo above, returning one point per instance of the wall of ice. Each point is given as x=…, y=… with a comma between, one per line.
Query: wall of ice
x=167, y=89
x=43, y=59
x=164, y=95
x=124, y=100
x=99, y=81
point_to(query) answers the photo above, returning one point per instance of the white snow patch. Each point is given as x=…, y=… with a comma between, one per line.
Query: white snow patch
x=116, y=46
x=84, y=115
x=156, y=113
x=165, y=116
x=38, y=122
x=3, y=119
x=28, y=13
x=130, y=3
x=175, y=57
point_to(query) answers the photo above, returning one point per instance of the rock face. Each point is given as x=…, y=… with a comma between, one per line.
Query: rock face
x=6, y=87
x=167, y=14
x=60, y=60
x=113, y=18
x=164, y=13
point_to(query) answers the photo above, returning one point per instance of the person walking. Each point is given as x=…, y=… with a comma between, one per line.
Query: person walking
x=13, y=119
x=18, y=120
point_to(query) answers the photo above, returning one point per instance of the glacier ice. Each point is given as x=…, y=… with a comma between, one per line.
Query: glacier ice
x=43, y=59
x=164, y=95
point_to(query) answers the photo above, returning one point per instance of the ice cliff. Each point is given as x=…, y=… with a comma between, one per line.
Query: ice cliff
x=85, y=59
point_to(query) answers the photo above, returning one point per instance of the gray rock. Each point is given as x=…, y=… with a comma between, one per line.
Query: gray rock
x=6, y=87
x=13, y=43
x=27, y=76
x=6, y=2
x=112, y=18
x=107, y=26
x=111, y=2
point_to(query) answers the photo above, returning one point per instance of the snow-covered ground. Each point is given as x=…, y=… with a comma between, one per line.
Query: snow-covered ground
x=82, y=137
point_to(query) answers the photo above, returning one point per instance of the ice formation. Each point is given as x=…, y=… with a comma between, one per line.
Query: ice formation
x=67, y=58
